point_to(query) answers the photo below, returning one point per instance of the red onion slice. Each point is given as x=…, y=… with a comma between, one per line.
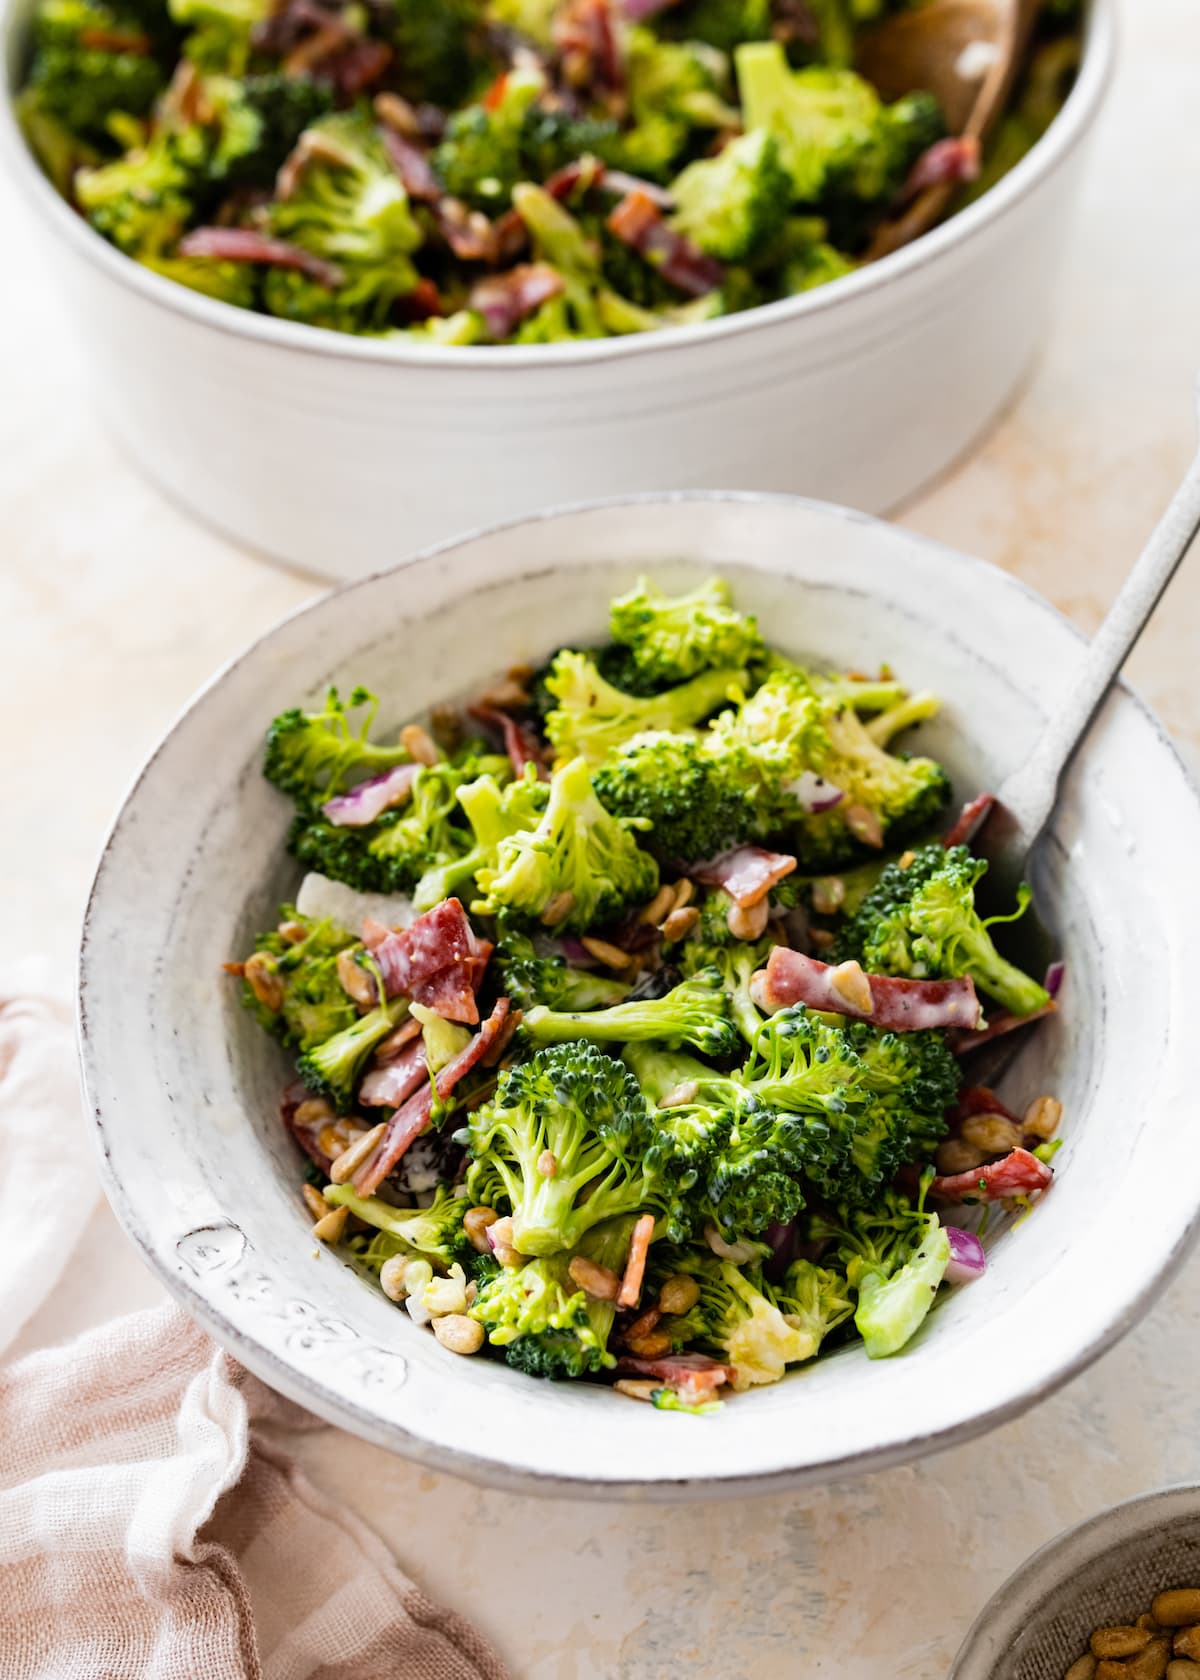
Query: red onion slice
x=967, y=1258
x=370, y=799
x=814, y=793
x=1054, y=978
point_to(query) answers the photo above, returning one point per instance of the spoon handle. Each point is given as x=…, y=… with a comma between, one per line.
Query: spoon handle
x=1030, y=792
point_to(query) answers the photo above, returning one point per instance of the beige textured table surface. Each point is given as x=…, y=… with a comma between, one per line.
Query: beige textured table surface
x=113, y=608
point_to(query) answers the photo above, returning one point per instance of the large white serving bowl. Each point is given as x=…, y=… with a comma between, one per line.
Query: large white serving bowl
x=184, y=1086
x=327, y=452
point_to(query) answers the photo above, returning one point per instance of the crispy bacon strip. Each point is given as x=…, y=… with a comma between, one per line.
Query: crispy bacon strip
x=637, y=11
x=100, y=39
x=694, y=1376
x=747, y=873
x=468, y=232
x=519, y=743
x=306, y=1136
x=635, y=1265
x=897, y=1005
x=452, y=992
x=504, y=300
x=581, y=175
x=412, y=166
x=410, y=1120
x=971, y=819
x=587, y=43
x=370, y=799
x=391, y=1084
x=442, y=938
x=999, y=1024
x=244, y=245
x=1018, y=1174
x=945, y=163
x=637, y=221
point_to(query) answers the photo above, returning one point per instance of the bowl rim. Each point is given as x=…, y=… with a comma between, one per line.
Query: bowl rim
x=1065, y=134
x=1006, y=1611
x=307, y=1389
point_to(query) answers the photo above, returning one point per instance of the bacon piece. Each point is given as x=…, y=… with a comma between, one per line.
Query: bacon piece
x=440, y=939
x=244, y=245
x=981, y=1099
x=306, y=1136
x=694, y=1376
x=370, y=799
x=898, y=1005
x=504, y=300
x=468, y=232
x=359, y=63
x=580, y=176
x=945, y=163
x=971, y=819
x=1018, y=1174
x=395, y=1081
x=410, y=1120
x=635, y=1265
x=637, y=11
x=998, y=1024
x=451, y=993
x=747, y=873
x=100, y=39
x=412, y=166
x=638, y=223
x=422, y=303
x=519, y=743
x=587, y=44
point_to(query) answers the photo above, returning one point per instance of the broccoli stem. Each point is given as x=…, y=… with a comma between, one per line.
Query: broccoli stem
x=891, y=1310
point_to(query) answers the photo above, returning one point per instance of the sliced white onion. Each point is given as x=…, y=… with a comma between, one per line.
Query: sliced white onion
x=967, y=1258
x=814, y=792
x=333, y=901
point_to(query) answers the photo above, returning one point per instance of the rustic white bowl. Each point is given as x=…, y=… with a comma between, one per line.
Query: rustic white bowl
x=184, y=1087
x=1104, y=1572
x=339, y=454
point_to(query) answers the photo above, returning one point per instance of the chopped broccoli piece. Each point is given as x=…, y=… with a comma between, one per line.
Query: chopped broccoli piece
x=227, y=282
x=58, y=149
x=493, y=812
x=530, y=979
x=673, y=637
x=89, y=62
x=724, y=23
x=816, y=1299
x=141, y=201
x=894, y=1255
x=673, y=785
x=219, y=31
x=315, y=1004
x=479, y=158
x=312, y=755
x=438, y=51
x=736, y=1314
x=573, y=1103
x=734, y=204
x=592, y=717
x=260, y=119
x=578, y=868
x=332, y=1069
x=697, y=1134
x=433, y=1233
x=695, y=1012
x=920, y=919
x=546, y=1324
x=736, y=961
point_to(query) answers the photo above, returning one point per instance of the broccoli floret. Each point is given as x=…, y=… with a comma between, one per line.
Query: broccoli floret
x=315, y=1004
x=228, y=282
x=673, y=637
x=736, y=961
x=920, y=920
x=142, y=201
x=674, y=88
x=736, y=1315
x=547, y=1325
x=220, y=31
x=734, y=204
x=438, y=54
x=349, y=208
x=529, y=979
x=433, y=1233
x=332, y=1069
x=697, y=1134
x=532, y=18
x=695, y=1012
x=578, y=868
x=592, y=717
x=425, y=845
x=312, y=755
x=463, y=327
x=793, y=727
x=815, y=264
x=757, y=1179
x=573, y=1104
x=89, y=62
x=672, y=784
x=723, y=23
x=895, y=1256
x=815, y=1299
x=260, y=120
x=479, y=158
x=837, y=140
x=874, y=1101
x=560, y=240
x=552, y=138
x=493, y=812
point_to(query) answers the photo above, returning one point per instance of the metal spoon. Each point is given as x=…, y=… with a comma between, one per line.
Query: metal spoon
x=1025, y=802
x=967, y=53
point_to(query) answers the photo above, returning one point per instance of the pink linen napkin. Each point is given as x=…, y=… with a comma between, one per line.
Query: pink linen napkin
x=151, y=1528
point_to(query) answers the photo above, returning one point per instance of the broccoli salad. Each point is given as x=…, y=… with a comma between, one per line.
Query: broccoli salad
x=634, y=1007
x=498, y=171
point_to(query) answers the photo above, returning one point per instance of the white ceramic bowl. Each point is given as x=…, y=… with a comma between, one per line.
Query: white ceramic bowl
x=340, y=454
x=184, y=1086
x=1103, y=1573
